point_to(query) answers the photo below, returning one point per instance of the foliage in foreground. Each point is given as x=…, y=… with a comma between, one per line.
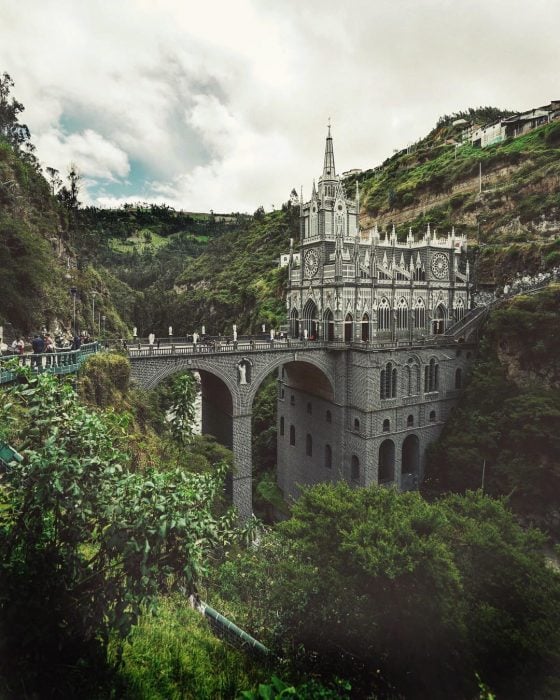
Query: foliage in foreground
x=401, y=596
x=85, y=541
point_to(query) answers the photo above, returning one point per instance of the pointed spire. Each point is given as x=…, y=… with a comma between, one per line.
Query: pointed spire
x=328, y=168
x=314, y=190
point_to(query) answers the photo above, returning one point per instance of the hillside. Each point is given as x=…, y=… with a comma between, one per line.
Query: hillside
x=508, y=420
x=437, y=181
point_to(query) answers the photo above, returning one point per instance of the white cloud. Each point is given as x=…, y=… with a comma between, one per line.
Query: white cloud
x=95, y=156
x=224, y=104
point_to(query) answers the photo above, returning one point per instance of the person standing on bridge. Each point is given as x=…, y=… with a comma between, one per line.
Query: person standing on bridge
x=38, y=345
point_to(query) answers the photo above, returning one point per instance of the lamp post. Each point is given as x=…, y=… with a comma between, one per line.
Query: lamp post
x=104, y=318
x=74, y=292
x=93, y=295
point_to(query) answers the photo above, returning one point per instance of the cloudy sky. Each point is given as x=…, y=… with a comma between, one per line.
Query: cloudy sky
x=223, y=104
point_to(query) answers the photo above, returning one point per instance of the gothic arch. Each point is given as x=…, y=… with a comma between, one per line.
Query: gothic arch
x=328, y=325
x=439, y=319
x=294, y=323
x=402, y=314
x=384, y=315
x=310, y=318
x=365, y=327
x=348, y=328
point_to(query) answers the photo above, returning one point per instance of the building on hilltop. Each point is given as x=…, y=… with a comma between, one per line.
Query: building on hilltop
x=353, y=285
x=389, y=375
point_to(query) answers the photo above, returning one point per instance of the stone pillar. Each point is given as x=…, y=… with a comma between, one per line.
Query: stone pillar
x=242, y=481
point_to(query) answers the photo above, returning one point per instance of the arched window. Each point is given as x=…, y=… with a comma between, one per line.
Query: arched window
x=328, y=417
x=309, y=408
x=292, y=435
x=308, y=445
x=432, y=416
x=384, y=315
x=348, y=328
x=458, y=378
x=402, y=315
x=294, y=323
x=431, y=376
x=356, y=424
x=355, y=468
x=365, y=328
x=459, y=310
x=388, y=382
x=386, y=425
x=410, y=421
x=328, y=457
x=292, y=400
x=411, y=378
x=281, y=425
x=420, y=313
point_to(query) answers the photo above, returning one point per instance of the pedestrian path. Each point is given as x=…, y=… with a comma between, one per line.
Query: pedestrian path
x=59, y=362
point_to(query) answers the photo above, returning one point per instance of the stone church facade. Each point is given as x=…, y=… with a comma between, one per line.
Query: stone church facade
x=384, y=307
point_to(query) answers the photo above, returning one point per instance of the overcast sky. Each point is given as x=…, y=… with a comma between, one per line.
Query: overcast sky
x=223, y=104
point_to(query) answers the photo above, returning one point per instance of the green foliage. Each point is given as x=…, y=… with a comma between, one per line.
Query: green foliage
x=401, y=596
x=84, y=541
x=104, y=379
x=509, y=415
x=172, y=654
x=310, y=690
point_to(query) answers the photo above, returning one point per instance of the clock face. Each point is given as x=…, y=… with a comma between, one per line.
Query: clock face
x=440, y=266
x=311, y=263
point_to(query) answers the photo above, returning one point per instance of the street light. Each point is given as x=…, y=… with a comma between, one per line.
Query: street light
x=104, y=318
x=74, y=292
x=93, y=295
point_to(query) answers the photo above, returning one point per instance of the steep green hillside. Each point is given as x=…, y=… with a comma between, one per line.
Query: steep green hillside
x=235, y=280
x=508, y=421
x=437, y=181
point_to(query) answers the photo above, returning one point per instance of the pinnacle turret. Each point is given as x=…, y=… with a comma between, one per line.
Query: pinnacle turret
x=329, y=172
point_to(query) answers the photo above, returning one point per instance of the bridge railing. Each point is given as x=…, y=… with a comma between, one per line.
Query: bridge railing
x=63, y=361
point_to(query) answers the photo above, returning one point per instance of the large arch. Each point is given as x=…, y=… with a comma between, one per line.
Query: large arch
x=310, y=319
x=386, y=464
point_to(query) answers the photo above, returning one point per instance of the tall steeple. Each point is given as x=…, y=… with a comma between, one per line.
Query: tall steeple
x=329, y=172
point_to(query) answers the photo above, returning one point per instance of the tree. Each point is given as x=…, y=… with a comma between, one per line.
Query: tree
x=54, y=179
x=399, y=595
x=86, y=541
x=68, y=195
x=15, y=133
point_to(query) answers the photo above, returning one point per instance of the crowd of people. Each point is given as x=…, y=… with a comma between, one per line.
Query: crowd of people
x=45, y=343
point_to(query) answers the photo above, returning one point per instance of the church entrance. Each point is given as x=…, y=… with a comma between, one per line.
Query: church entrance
x=348, y=328
x=310, y=320
x=439, y=319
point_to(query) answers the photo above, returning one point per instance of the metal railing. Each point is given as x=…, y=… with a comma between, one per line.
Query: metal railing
x=64, y=361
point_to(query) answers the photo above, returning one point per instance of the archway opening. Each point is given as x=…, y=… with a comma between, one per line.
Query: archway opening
x=310, y=320
x=328, y=322
x=294, y=323
x=410, y=464
x=348, y=328
x=386, y=467
x=365, y=328
x=440, y=314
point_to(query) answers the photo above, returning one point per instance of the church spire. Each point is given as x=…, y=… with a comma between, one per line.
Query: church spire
x=328, y=168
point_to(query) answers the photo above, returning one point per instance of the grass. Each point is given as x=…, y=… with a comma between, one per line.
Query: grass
x=174, y=655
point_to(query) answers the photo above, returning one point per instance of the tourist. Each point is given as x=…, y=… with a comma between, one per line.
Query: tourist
x=38, y=345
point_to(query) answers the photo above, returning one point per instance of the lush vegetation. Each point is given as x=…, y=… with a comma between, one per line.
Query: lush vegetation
x=402, y=597
x=508, y=419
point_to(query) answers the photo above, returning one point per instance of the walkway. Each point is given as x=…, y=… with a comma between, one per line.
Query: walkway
x=59, y=362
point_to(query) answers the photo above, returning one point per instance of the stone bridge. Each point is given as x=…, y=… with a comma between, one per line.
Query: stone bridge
x=340, y=379
x=231, y=376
